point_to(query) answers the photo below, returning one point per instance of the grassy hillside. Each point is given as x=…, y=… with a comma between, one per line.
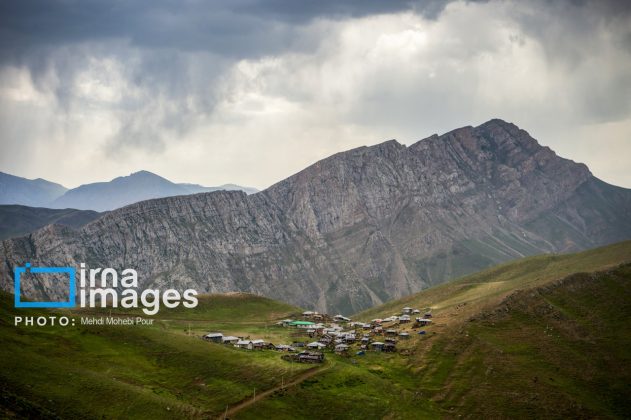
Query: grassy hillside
x=534, y=338
x=137, y=371
x=562, y=350
x=558, y=350
x=472, y=293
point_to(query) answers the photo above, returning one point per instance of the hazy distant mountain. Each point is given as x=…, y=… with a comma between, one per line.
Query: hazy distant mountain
x=125, y=190
x=355, y=229
x=18, y=220
x=29, y=192
x=119, y=192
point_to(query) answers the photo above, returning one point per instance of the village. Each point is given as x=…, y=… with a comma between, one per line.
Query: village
x=315, y=334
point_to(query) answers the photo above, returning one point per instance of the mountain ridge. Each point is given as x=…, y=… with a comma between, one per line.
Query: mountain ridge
x=17, y=220
x=358, y=228
x=30, y=192
x=98, y=196
x=124, y=190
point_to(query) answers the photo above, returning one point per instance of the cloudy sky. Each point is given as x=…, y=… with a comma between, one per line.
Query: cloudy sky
x=251, y=91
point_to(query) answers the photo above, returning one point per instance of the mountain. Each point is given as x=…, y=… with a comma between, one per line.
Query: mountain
x=29, y=192
x=196, y=188
x=355, y=229
x=124, y=190
x=21, y=220
x=119, y=192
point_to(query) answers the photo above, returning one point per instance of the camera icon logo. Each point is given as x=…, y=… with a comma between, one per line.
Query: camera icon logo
x=70, y=271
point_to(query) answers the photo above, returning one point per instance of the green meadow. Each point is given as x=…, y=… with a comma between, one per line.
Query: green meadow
x=156, y=371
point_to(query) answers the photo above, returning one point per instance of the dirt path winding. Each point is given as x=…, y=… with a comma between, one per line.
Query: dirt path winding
x=235, y=408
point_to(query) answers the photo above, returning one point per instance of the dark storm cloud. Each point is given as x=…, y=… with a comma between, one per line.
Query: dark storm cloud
x=164, y=41
x=185, y=26
x=303, y=11
x=236, y=28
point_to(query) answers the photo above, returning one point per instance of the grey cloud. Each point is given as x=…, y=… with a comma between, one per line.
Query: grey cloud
x=236, y=28
x=175, y=61
x=573, y=34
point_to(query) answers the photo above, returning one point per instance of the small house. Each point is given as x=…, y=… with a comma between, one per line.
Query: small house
x=341, y=348
x=416, y=311
x=304, y=357
x=391, y=333
x=403, y=319
x=308, y=314
x=258, y=344
x=310, y=357
x=341, y=318
x=390, y=340
x=244, y=344
x=326, y=338
x=389, y=347
x=229, y=339
x=284, y=347
x=316, y=345
x=427, y=315
x=215, y=337
x=377, y=346
x=302, y=324
x=407, y=310
x=404, y=335
x=423, y=321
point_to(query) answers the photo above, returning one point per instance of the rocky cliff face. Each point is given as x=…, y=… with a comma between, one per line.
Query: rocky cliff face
x=355, y=229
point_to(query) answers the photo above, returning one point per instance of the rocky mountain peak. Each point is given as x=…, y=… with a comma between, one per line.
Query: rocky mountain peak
x=357, y=228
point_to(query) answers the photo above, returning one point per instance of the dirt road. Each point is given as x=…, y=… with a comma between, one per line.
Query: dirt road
x=234, y=409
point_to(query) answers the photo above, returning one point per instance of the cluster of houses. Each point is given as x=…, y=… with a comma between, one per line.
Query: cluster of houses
x=339, y=334
x=245, y=343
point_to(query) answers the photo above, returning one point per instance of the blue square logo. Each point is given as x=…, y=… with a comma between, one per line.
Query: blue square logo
x=70, y=271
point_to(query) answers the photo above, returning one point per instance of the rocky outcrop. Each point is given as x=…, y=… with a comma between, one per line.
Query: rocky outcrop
x=355, y=229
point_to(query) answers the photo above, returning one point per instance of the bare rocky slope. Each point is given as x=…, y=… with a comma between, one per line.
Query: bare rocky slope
x=355, y=229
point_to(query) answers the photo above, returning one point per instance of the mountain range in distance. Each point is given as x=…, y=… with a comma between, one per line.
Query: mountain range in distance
x=98, y=196
x=353, y=230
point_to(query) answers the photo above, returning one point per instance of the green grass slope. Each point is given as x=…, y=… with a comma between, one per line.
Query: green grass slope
x=474, y=292
x=155, y=371
x=533, y=338
x=559, y=351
